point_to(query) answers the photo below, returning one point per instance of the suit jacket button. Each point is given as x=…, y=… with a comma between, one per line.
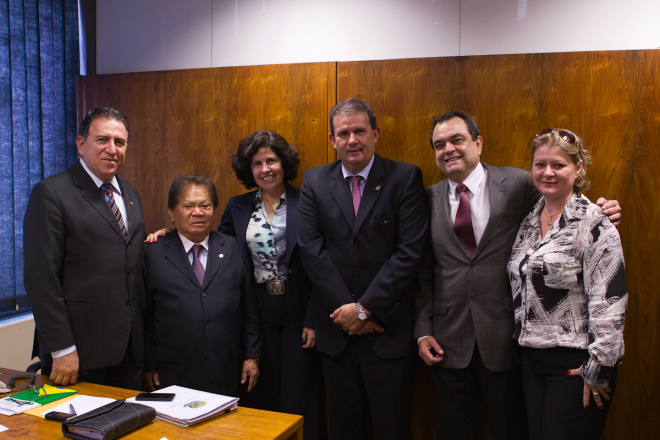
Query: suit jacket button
x=203, y=293
x=355, y=245
x=128, y=302
x=208, y=322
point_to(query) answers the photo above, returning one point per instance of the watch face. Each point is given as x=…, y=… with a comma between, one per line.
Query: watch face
x=362, y=316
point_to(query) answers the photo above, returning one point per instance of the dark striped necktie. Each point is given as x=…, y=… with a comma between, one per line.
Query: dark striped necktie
x=106, y=188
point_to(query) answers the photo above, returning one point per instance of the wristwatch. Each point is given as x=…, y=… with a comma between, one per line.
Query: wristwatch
x=359, y=311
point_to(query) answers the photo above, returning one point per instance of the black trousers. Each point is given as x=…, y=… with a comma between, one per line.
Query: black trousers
x=553, y=399
x=458, y=393
x=289, y=375
x=360, y=386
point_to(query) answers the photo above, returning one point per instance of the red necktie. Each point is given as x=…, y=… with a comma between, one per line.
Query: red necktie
x=197, y=264
x=355, y=185
x=463, y=221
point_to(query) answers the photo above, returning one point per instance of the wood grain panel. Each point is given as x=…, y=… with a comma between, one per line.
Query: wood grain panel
x=610, y=99
x=190, y=121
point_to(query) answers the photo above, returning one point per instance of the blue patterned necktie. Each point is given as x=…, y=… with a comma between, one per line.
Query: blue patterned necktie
x=106, y=188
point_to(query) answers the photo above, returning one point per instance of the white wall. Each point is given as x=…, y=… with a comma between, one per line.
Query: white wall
x=149, y=35
x=16, y=336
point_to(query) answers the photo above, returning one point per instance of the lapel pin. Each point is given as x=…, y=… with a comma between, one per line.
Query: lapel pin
x=131, y=203
x=378, y=188
x=221, y=255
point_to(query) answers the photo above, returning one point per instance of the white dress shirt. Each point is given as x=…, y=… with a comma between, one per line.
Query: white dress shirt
x=477, y=184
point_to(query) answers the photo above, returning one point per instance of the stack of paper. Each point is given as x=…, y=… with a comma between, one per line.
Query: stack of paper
x=190, y=406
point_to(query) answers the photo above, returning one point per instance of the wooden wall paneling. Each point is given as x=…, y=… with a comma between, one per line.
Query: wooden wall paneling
x=195, y=118
x=332, y=100
x=611, y=99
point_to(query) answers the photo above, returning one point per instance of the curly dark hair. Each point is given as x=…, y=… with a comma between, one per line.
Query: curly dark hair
x=241, y=160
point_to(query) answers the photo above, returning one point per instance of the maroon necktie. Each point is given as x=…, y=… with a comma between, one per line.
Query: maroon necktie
x=355, y=185
x=463, y=221
x=197, y=264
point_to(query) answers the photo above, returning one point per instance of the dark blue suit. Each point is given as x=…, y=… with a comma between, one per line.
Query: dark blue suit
x=196, y=334
x=373, y=258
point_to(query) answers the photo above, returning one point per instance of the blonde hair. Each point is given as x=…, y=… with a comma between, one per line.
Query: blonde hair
x=575, y=150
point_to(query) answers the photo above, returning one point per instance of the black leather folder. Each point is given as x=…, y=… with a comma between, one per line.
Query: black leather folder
x=109, y=421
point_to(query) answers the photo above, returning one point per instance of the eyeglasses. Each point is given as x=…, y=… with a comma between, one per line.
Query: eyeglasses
x=564, y=134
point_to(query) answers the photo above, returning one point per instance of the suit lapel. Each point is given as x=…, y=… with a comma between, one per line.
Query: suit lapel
x=341, y=193
x=216, y=258
x=241, y=215
x=176, y=254
x=94, y=197
x=497, y=189
x=131, y=206
x=292, y=196
x=442, y=211
x=372, y=190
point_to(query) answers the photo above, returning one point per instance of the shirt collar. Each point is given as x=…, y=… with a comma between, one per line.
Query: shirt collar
x=364, y=173
x=475, y=181
x=98, y=182
x=187, y=244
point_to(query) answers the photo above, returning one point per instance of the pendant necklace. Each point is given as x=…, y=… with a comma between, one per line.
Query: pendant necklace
x=549, y=216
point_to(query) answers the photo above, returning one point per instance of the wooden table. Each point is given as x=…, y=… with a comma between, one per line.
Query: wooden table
x=244, y=423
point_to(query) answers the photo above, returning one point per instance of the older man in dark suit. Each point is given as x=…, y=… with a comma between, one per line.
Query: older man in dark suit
x=363, y=223
x=83, y=233
x=464, y=321
x=202, y=313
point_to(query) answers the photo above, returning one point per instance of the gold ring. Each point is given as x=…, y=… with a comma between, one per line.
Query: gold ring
x=595, y=393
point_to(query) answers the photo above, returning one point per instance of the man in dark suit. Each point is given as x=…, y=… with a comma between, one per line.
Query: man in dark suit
x=464, y=319
x=83, y=233
x=363, y=223
x=201, y=310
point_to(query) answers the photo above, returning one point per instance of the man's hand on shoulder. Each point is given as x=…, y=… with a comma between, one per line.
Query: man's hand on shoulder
x=611, y=209
x=65, y=369
x=430, y=351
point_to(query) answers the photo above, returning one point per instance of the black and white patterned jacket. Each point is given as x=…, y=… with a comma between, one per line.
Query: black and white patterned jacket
x=569, y=288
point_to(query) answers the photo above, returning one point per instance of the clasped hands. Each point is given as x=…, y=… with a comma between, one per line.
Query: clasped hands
x=347, y=319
